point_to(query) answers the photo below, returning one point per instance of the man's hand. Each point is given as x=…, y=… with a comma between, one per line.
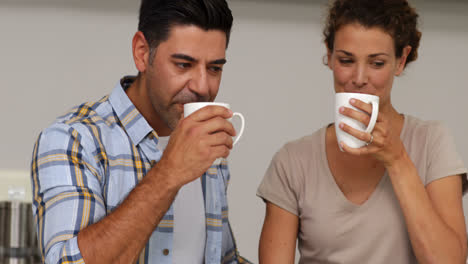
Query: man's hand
x=195, y=143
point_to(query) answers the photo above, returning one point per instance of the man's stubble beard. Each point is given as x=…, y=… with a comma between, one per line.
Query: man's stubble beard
x=183, y=97
x=171, y=115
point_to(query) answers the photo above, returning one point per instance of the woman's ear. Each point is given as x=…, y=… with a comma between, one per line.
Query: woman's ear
x=328, y=58
x=401, y=62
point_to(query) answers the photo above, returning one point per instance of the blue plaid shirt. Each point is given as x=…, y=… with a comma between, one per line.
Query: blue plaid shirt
x=86, y=163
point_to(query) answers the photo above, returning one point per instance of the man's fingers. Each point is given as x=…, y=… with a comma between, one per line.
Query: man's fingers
x=218, y=124
x=221, y=138
x=220, y=151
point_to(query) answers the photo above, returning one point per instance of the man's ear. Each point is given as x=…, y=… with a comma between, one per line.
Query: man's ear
x=401, y=62
x=141, y=51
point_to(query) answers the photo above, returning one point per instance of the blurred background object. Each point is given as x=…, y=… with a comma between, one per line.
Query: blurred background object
x=18, y=240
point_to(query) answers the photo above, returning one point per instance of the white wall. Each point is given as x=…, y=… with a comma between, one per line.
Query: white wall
x=55, y=55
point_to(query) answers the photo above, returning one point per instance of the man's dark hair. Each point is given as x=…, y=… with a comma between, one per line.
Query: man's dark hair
x=158, y=16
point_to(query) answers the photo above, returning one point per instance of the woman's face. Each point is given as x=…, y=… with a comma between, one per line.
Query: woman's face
x=363, y=61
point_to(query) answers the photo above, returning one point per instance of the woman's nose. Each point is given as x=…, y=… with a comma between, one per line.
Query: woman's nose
x=360, y=76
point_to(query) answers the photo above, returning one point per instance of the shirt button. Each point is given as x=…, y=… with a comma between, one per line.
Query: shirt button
x=151, y=136
x=166, y=252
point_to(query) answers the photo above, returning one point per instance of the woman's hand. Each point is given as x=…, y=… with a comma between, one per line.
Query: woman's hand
x=384, y=143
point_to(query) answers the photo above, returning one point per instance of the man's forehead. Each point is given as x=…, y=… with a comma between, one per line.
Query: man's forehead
x=195, y=42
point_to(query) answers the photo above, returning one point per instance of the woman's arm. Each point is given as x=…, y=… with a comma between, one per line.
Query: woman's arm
x=279, y=235
x=434, y=215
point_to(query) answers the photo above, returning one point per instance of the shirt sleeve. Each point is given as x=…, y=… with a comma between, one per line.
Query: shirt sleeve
x=443, y=159
x=66, y=192
x=279, y=185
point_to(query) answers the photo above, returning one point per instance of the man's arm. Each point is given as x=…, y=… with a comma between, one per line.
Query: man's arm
x=119, y=237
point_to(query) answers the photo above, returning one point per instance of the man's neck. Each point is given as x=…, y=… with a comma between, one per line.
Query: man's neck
x=137, y=93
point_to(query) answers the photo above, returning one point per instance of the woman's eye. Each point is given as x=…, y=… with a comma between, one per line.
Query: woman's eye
x=346, y=61
x=378, y=64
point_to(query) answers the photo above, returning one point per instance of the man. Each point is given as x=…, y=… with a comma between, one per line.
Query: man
x=106, y=187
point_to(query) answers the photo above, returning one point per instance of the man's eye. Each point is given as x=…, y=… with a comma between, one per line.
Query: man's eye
x=183, y=65
x=215, y=68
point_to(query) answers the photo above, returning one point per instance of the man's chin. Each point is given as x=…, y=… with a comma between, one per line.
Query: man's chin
x=176, y=114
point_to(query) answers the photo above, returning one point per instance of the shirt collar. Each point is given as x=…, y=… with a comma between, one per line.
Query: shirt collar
x=134, y=123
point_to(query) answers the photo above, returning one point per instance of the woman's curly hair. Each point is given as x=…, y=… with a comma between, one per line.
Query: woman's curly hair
x=395, y=17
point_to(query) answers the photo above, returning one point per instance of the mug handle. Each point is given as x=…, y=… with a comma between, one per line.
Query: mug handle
x=373, y=120
x=242, y=127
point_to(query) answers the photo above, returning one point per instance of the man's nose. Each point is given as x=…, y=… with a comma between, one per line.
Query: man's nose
x=199, y=82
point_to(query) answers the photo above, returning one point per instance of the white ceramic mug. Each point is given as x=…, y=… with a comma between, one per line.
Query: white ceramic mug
x=342, y=99
x=189, y=108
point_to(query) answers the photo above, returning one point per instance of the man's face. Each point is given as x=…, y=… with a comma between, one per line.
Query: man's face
x=186, y=68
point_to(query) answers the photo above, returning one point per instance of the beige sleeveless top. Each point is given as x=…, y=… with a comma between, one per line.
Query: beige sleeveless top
x=334, y=230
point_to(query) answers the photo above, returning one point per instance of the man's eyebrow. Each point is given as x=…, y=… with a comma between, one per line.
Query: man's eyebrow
x=218, y=61
x=183, y=57
x=191, y=59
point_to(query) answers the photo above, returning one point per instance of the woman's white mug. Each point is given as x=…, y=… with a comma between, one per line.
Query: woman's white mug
x=342, y=99
x=189, y=108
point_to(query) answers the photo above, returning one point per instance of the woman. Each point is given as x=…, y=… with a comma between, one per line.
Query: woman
x=396, y=200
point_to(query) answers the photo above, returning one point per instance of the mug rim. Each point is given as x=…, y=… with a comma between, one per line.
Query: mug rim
x=208, y=103
x=360, y=94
